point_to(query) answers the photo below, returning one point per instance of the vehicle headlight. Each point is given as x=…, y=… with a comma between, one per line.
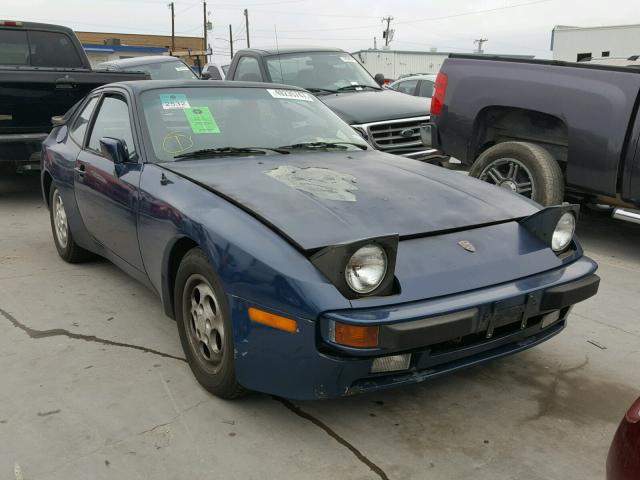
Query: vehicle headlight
x=366, y=268
x=563, y=233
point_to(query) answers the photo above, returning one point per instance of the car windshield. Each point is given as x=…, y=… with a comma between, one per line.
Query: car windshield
x=319, y=70
x=167, y=71
x=184, y=120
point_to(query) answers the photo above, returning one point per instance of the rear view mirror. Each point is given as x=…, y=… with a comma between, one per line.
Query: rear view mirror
x=379, y=78
x=114, y=149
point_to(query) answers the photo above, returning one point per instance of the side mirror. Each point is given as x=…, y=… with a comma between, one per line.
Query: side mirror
x=114, y=149
x=379, y=78
x=57, y=120
x=205, y=76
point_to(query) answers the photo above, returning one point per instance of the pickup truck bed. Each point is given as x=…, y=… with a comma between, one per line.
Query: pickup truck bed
x=30, y=95
x=584, y=116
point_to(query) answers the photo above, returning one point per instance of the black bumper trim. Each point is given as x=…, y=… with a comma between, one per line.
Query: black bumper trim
x=570, y=293
x=409, y=335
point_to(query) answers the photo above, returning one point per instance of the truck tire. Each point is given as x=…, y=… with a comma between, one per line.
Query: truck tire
x=524, y=168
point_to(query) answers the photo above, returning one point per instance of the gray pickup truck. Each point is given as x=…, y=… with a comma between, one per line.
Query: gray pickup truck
x=544, y=129
x=389, y=120
x=43, y=73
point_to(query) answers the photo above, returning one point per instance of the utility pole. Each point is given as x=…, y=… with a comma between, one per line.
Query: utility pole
x=231, y=41
x=173, y=27
x=385, y=34
x=246, y=19
x=204, y=23
x=479, y=42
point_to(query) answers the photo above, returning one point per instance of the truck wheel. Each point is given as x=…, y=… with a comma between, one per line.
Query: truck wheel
x=524, y=168
x=67, y=248
x=204, y=324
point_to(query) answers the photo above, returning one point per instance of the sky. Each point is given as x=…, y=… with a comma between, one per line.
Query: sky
x=510, y=26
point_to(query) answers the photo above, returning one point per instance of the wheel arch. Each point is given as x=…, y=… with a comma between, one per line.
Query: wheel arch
x=171, y=262
x=497, y=124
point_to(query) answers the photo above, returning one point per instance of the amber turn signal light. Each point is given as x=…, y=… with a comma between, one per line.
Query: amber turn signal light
x=355, y=335
x=272, y=320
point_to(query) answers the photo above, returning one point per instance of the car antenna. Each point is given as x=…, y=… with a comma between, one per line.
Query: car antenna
x=275, y=29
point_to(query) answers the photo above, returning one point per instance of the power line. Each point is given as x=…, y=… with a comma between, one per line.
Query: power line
x=428, y=19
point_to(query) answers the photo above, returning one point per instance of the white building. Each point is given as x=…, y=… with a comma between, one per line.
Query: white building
x=572, y=44
x=393, y=63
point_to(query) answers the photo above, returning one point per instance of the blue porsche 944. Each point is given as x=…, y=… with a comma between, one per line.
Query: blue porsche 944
x=295, y=258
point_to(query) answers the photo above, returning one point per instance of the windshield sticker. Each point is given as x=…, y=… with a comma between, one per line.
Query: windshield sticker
x=201, y=120
x=290, y=94
x=320, y=182
x=173, y=101
x=177, y=142
x=348, y=59
x=183, y=68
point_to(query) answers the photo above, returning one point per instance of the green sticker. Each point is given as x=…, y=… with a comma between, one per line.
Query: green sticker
x=201, y=120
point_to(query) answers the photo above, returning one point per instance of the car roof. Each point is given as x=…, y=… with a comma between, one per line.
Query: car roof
x=38, y=26
x=140, y=86
x=137, y=61
x=284, y=50
x=419, y=76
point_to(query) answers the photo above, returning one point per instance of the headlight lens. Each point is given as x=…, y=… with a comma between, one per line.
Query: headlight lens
x=563, y=234
x=366, y=269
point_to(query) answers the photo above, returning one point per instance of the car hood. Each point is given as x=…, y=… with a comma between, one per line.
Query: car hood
x=319, y=199
x=375, y=105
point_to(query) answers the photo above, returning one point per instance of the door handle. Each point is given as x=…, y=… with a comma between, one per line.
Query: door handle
x=80, y=170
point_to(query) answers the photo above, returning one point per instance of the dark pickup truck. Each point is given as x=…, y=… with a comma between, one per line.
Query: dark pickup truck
x=389, y=120
x=43, y=73
x=544, y=129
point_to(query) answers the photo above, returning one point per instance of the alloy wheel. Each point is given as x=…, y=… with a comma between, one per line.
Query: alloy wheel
x=204, y=323
x=61, y=226
x=510, y=174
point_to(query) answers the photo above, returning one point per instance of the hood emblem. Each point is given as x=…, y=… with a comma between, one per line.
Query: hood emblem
x=467, y=245
x=407, y=132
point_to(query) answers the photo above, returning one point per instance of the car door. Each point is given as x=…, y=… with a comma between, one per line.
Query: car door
x=106, y=193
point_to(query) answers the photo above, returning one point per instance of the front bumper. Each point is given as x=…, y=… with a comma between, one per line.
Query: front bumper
x=442, y=335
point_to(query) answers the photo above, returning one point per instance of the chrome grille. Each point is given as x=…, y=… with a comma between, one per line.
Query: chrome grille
x=401, y=136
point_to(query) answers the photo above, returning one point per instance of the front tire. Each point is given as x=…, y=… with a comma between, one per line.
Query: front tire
x=524, y=168
x=204, y=324
x=67, y=248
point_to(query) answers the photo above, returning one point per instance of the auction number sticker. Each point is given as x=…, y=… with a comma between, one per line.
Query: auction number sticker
x=174, y=101
x=348, y=59
x=290, y=95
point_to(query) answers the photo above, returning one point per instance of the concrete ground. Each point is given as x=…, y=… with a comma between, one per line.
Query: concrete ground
x=93, y=385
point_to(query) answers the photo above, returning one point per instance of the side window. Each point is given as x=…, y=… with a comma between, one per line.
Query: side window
x=408, y=86
x=426, y=88
x=14, y=47
x=248, y=70
x=52, y=49
x=81, y=123
x=112, y=120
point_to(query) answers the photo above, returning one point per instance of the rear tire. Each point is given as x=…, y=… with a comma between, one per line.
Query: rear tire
x=204, y=324
x=524, y=168
x=63, y=239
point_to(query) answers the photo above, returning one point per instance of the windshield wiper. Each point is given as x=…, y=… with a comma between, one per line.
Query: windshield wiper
x=322, y=146
x=355, y=87
x=217, y=152
x=320, y=90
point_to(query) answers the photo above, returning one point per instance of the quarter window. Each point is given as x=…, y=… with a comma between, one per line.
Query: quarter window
x=248, y=70
x=80, y=125
x=113, y=121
